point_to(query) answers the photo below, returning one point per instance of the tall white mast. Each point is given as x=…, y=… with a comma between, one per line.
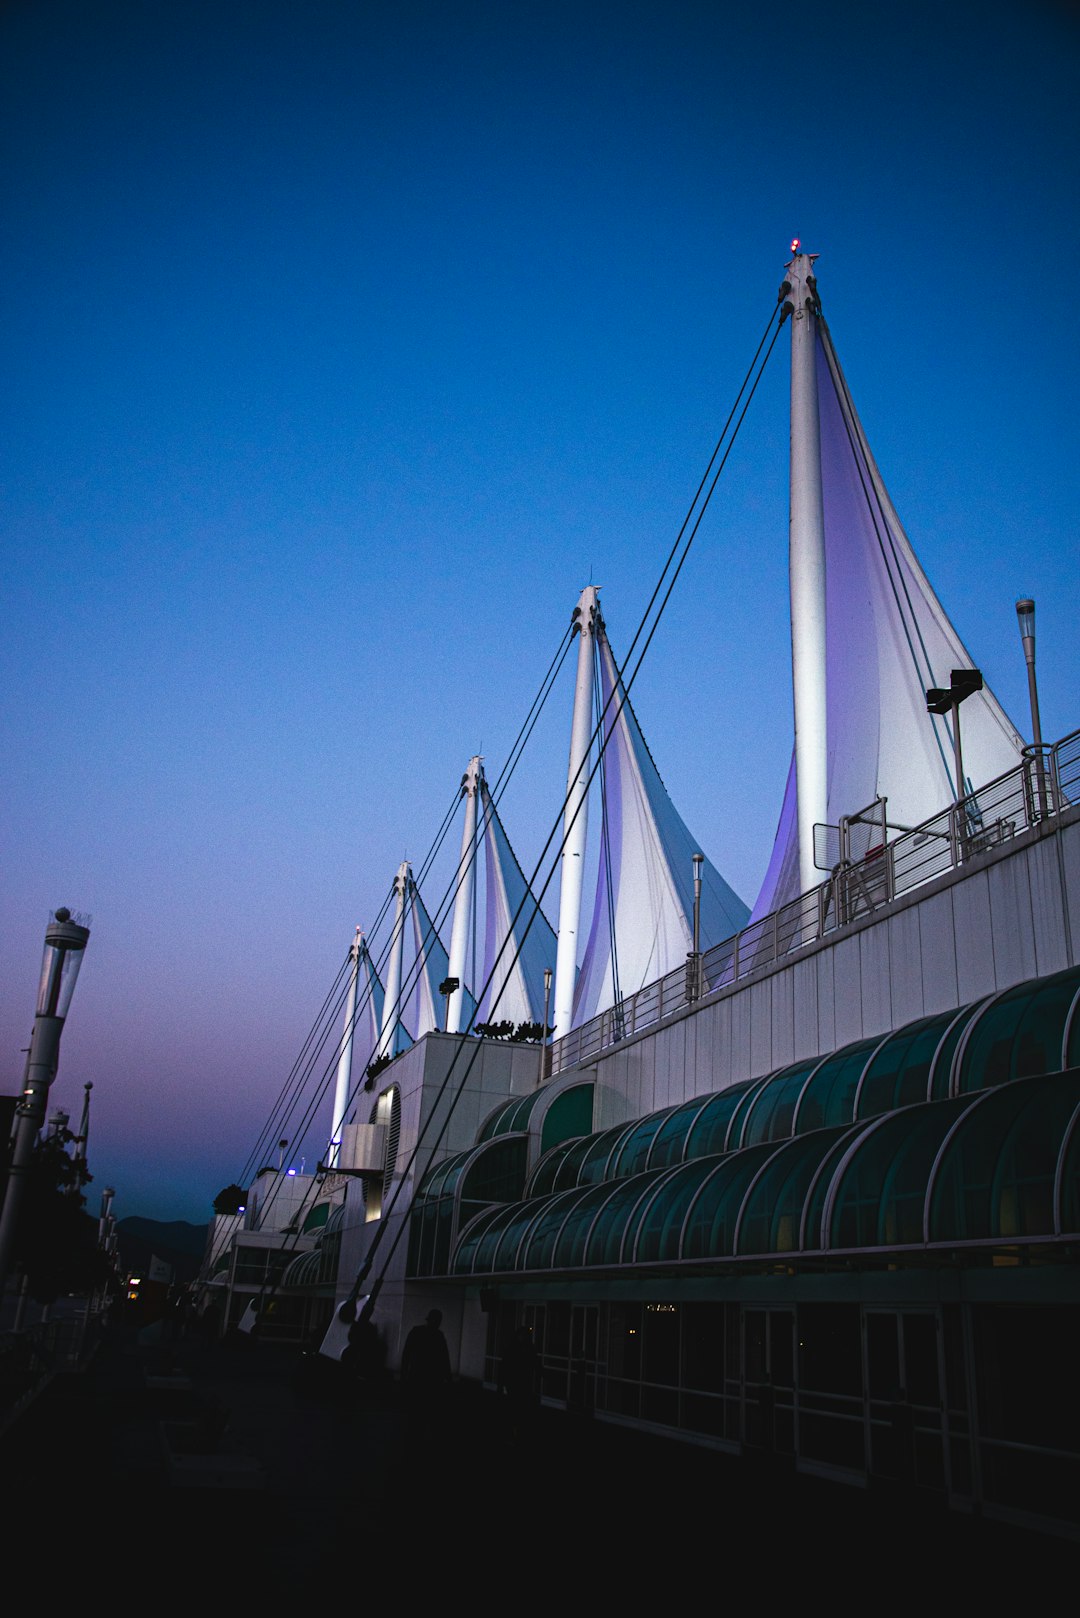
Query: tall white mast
x=576, y=819
x=391, y=1009
x=344, y=1067
x=807, y=563
x=463, y=902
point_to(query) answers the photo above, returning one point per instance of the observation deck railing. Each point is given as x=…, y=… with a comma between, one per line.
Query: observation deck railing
x=1047, y=782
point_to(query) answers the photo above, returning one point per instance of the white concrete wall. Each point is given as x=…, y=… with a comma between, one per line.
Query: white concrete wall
x=1013, y=915
x=275, y=1197
x=429, y=1076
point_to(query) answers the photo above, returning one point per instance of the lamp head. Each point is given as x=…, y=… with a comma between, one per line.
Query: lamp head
x=65, y=942
x=1025, y=617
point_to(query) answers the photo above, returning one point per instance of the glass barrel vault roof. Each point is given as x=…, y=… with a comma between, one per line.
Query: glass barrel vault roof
x=1002, y=1165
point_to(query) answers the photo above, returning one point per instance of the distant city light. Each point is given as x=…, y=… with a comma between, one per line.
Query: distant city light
x=290, y=1171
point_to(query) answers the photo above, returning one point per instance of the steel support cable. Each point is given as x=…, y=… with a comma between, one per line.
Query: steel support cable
x=847, y=415
x=674, y=549
x=267, y=1127
x=299, y=1134
x=334, y=1012
x=860, y=449
x=873, y=500
x=368, y=1262
x=331, y=1065
x=323, y=1082
x=682, y=530
x=704, y=478
x=411, y=978
x=300, y=1075
x=284, y=1120
x=502, y=781
x=496, y=792
x=264, y=1136
x=696, y=526
x=498, y=787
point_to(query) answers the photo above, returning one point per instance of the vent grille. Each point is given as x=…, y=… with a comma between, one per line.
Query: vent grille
x=386, y=1110
x=390, y=1100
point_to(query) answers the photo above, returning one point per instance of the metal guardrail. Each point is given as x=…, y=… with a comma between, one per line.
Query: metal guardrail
x=30, y=1358
x=1047, y=782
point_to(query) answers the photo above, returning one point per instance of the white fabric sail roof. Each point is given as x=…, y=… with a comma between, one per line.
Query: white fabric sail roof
x=888, y=639
x=432, y=966
x=522, y=948
x=642, y=922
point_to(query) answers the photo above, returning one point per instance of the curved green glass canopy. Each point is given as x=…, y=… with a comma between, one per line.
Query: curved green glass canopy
x=1018, y=1033
x=509, y=1117
x=830, y=1152
x=998, y=1166
x=457, y=1189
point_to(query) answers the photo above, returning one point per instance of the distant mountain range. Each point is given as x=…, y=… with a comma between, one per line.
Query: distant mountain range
x=175, y=1243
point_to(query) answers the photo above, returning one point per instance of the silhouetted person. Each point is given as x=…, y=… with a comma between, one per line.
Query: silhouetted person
x=425, y=1367
x=519, y=1379
x=362, y=1359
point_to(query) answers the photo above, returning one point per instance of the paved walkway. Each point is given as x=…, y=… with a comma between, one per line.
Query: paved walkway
x=240, y=1465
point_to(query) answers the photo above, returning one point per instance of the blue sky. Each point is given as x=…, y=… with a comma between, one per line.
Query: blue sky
x=345, y=342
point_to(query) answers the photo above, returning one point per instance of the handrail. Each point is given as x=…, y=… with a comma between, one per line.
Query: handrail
x=1047, y=782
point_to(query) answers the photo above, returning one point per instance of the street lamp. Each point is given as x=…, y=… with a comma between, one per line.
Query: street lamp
x=693, y=960
x=65, y=942
x=447, y=988
x=963, y=683
x=698, y=862
x=547, y=1013
x=106, y=1208
x=1025, y=618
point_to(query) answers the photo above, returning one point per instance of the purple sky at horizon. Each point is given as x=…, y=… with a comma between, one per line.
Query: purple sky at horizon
x=346, y=342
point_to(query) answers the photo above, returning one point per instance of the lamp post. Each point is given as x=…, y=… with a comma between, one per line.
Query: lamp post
x=544, y=1036
x=1025, y=618
x=65, y=943
x=963, y=683
x=693, y=975
x=699, y=860
x=104, y=1221
x=448, y=988
x=83, y=1137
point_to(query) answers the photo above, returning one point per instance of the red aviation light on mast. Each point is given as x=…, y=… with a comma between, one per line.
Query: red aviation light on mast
x=795, y=245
